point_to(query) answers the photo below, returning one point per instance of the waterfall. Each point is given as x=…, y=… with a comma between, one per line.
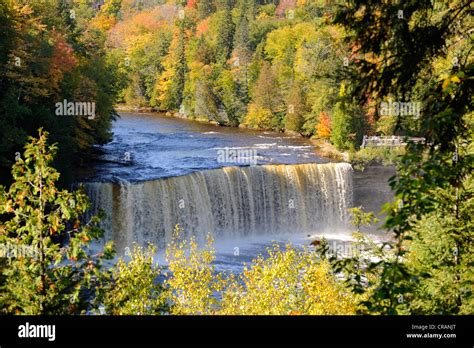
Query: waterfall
x=227, y=202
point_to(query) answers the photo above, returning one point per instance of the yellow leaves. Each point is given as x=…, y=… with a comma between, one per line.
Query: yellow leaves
x=258, y=117
x=103, y=23
x=455, y=79
x=283, y=40
x=289, y=281
x=342, y=90
x=193, y=283
x=262, y=16
x=449, y=80
x=133, y=290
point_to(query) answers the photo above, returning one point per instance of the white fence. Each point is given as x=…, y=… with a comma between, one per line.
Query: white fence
x=389, y=141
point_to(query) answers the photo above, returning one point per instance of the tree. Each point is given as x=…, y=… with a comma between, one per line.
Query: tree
x=205, y=8
x=258, y=117
x=399, y=45
x=441, y=252
x=193, y=283
x=228, y=91
x=48, y=59
x=52, y=270
x=242, y=29
x=341, y=126
x=192, y=4
x=287, y=282
x=226, y=33
x=296, y=108
x=266, y=93
x=323, y=128
x=170, y=86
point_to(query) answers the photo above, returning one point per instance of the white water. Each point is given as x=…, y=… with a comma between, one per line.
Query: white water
x=230, y=203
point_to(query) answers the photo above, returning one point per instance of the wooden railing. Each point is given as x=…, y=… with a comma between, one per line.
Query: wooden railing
x=390, y=141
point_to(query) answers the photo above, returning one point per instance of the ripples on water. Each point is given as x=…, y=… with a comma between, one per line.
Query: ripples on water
x=162, y=147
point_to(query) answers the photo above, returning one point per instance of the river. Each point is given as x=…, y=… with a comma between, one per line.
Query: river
x=158, y=146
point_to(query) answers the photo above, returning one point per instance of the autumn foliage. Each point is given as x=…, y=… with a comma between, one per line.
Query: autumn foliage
x=323, y=128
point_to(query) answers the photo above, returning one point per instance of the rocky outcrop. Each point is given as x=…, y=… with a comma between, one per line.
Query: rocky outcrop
x=371, y=189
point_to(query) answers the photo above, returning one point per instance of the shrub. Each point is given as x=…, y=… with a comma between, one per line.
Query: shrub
x=192, y=284
x=134, y=287
x=375, y=155
x=289, y=281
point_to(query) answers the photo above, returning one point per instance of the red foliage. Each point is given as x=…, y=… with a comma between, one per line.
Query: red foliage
x=62, y=60
x=63, y=54
x=191, y=4
x=202, y=27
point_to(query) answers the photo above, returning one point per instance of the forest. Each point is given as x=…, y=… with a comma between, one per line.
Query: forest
x=332, y=71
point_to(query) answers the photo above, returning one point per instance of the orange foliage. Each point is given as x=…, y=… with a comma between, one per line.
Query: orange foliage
x=202, y=27
x=125, y=33
x=323, y=128
x=191, y=4
x=370, y=113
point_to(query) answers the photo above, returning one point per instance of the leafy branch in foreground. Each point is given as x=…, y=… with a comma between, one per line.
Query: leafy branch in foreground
x=49, y=266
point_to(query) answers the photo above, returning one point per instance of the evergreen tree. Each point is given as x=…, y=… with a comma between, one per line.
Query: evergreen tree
x=242, y=29
x=170, y=88
x=226, y=33
x=50, y=268
x=205, y=8
x=341, y=126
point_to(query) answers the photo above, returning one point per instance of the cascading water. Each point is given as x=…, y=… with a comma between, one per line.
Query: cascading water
x=227, y=202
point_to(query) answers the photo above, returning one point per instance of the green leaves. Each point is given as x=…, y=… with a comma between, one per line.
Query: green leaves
x=53, y=272
x=402, y=50
x=133, y=288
